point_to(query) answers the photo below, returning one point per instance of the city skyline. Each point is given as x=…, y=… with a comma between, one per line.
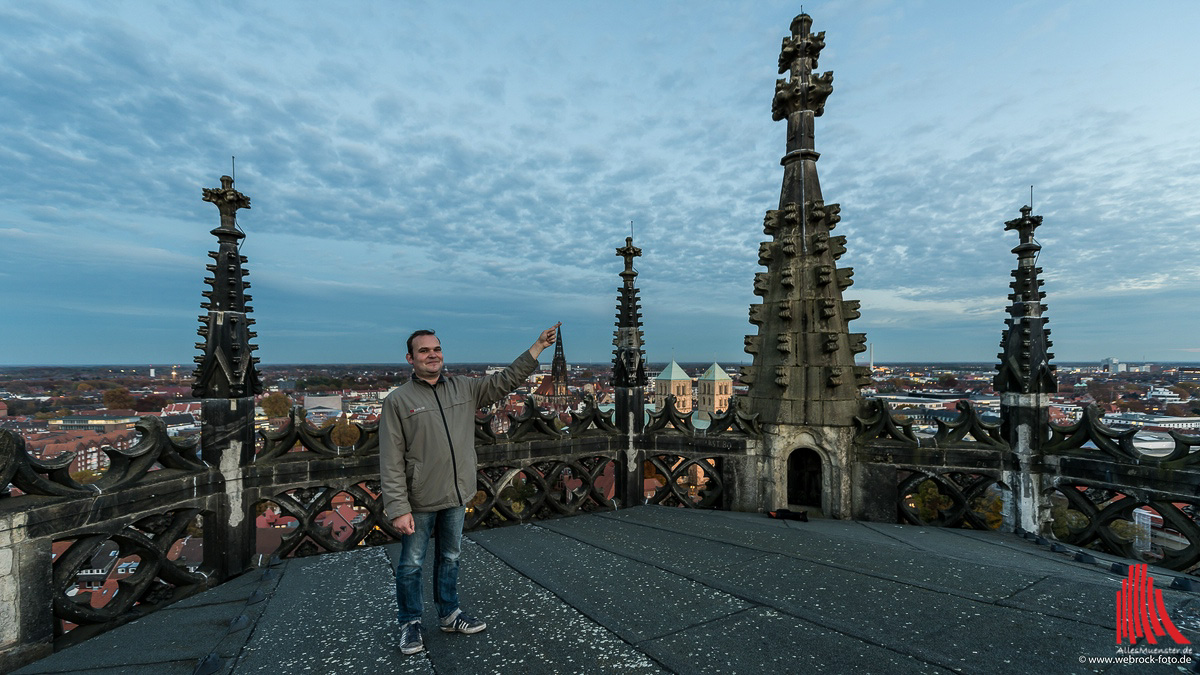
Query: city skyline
x=472, y=168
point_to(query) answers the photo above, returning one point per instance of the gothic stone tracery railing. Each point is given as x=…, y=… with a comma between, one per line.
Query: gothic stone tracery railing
x=1104, y=492
x=1102, y=485
x=162, y=496
x=150, y=500
x=953, y=479
x=707, y=468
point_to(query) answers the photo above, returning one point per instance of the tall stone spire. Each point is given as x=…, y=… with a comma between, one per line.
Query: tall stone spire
x=1025, y=360
x=629, y=367
x=803, y=368
x=226, y=369
x=558, y=370
x=1026, y=380
x=553, y=393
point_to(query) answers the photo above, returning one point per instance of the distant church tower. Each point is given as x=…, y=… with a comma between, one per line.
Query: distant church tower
x=713, y=391
x=553, y=393
x=803, y=382
x=558, y=369
x=672, y=380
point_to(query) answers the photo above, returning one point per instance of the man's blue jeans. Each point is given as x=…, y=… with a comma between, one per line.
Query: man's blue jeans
x=446, y=528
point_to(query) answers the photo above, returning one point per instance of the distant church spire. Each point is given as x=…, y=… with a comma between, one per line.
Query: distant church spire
x=803, y=368
x=558, y=369
x=1025, y=366
x=226, y=369
x=553, y=392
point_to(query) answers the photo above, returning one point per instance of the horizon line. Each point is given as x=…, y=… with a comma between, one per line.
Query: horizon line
x=590, y=363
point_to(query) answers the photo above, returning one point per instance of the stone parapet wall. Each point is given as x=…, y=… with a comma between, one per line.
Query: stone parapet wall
x=160, y=494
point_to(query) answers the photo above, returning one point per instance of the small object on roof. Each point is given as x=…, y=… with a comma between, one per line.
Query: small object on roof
x=786, y=514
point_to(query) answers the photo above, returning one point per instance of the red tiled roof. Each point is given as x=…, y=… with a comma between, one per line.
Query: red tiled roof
x=56, y=449
x=181, y=408
x=546, y=388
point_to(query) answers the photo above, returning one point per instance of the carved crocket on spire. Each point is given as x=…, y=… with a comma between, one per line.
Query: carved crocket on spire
x=226, y=369
x=798, y=57
x=803, y=370
x=1025, y=366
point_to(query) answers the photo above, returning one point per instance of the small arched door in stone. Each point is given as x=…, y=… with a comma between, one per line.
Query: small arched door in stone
x=804, y=478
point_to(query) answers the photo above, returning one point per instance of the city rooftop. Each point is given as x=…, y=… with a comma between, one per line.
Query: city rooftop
x=654, y=589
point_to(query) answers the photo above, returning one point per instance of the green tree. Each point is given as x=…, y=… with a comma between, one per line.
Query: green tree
x=930, y=502
x=86, y=476
x=1179, y=410
x=1102, y=392
x=21, y=407
x=344, y=433
x=118, y=399
x=276, y=404
x=1128, y=405
x=150, y=403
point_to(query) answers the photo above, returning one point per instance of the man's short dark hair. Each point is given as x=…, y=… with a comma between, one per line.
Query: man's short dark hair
x=417, y=334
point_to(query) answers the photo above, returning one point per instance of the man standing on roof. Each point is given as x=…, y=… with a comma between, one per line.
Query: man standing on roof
x=427, y=473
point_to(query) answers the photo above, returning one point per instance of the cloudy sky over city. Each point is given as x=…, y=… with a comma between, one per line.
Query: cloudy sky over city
x=471, y=167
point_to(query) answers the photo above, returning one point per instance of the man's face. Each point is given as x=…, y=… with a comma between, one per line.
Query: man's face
x=426, y=357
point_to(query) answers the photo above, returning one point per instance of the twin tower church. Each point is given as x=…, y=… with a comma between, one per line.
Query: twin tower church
x=713, y=391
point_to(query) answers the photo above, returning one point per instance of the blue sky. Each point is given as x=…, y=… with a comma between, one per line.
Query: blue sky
x=472, y=166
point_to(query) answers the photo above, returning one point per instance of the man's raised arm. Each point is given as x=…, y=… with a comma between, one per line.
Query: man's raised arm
x=493, y=387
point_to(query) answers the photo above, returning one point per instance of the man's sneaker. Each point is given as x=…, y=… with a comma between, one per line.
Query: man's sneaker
x=458, y=622
x=411, y=640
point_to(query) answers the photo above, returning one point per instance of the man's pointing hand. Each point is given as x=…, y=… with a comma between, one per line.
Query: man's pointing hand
x=547, y=338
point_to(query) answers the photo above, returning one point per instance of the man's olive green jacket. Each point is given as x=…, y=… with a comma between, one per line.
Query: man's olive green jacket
x=427, y=438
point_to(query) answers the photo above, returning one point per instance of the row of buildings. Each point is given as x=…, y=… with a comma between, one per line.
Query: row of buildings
x=559, y=389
